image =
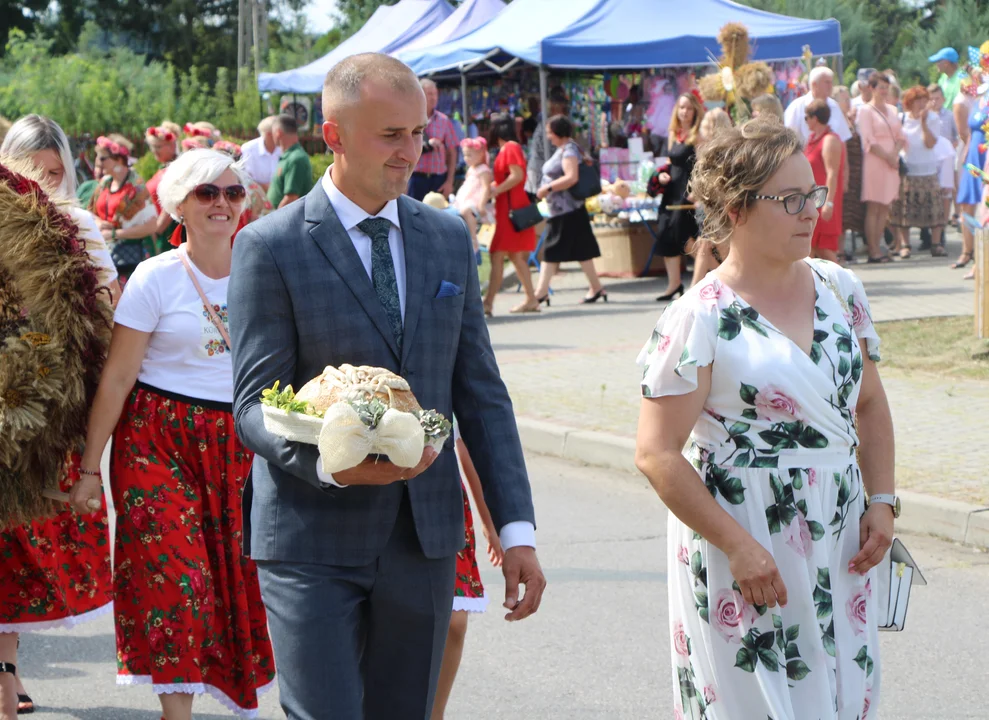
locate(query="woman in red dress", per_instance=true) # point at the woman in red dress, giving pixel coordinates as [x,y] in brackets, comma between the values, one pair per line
[54,571]
[189,616]
[826,153]
[122,205]
[508,191]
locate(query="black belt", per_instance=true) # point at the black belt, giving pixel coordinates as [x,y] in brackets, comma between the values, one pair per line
[197,402]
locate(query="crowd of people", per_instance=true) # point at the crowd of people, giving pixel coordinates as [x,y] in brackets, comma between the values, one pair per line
[213,302]
[186,597]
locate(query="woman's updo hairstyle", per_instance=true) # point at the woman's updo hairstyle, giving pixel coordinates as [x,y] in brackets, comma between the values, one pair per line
[733,166]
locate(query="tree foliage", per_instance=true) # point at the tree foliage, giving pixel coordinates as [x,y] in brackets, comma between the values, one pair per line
[120,91]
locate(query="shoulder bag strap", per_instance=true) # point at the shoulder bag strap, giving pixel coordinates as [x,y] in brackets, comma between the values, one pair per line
[214,318]
[882,115]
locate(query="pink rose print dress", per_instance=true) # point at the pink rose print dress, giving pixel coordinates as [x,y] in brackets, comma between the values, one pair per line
[775,446]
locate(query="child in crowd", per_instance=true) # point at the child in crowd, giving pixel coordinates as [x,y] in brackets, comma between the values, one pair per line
[468,593]
[473,199]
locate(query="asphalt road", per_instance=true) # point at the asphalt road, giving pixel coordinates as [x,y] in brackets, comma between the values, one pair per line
[599,647]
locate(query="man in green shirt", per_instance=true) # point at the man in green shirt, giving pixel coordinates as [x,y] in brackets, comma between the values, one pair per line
[950,81]
[293,176]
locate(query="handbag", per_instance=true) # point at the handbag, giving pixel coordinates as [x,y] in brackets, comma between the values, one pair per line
[127,254]
[214,318]
[588,181]
[898,573]
[525,217]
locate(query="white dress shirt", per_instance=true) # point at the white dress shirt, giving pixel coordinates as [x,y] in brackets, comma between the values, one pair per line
[794,118]
[259,163]
[520,532]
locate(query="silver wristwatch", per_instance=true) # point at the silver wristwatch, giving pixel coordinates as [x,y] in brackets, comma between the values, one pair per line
[892,500]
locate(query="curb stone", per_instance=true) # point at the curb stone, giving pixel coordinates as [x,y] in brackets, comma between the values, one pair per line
[952,520]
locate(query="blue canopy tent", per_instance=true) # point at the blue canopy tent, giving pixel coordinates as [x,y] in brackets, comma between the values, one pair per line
[620,34]
[600,35]
[388,29]
[468,17]
[678,33]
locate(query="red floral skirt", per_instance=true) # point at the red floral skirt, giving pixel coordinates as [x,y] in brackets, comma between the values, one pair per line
[189,616]
[468,592]
[55,573]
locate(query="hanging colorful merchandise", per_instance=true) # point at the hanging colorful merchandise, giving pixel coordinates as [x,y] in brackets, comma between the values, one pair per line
[737,80]
[54,334]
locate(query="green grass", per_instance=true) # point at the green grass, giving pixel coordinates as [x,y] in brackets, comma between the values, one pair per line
[947,347]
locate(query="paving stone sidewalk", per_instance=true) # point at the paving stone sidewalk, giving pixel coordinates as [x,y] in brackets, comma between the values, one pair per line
[575,365]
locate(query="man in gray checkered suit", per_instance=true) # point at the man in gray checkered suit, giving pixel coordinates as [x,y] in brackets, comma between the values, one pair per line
[357,569]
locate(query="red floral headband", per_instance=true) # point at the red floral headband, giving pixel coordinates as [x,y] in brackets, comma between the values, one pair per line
[192,143]
[477,143]
[193,131]
[113,147]
[225,146]
[160,133]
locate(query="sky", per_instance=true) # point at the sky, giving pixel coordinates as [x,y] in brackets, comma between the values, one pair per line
[318,15]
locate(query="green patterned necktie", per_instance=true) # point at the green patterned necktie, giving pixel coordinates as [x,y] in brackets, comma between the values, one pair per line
[383,272]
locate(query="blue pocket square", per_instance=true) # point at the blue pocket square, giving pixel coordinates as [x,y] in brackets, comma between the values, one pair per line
[448,289]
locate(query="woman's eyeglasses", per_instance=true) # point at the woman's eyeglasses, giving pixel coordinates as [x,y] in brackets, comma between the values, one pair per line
[208,193]
[794,202]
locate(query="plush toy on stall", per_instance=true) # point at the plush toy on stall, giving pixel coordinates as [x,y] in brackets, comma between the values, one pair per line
[737,80]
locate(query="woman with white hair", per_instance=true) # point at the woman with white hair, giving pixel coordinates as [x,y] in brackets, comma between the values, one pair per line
[189,618]
[55,572]
[42,142]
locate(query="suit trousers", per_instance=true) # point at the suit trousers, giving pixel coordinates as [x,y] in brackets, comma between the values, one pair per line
[361,643]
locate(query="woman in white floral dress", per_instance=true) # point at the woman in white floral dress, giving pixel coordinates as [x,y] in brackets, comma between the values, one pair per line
[768,365]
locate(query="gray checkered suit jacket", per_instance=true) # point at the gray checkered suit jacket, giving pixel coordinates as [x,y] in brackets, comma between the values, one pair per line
[299,299]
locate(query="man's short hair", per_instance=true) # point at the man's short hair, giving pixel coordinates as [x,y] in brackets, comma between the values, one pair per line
[287,124]
[426,83]
[266,125]
[342,85]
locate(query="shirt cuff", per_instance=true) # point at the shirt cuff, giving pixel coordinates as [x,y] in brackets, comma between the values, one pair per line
[520,532]
[326,479]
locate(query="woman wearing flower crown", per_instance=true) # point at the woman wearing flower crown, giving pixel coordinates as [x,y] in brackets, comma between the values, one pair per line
[122,205]
[163,142]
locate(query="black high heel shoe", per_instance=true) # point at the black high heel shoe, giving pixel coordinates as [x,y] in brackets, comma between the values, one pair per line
[671,295]
[599,295]
[544,300]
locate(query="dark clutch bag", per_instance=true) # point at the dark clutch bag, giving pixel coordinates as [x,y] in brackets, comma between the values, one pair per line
[525,217]
[903,167]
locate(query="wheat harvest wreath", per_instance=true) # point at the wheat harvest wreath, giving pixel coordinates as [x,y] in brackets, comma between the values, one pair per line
[54,333]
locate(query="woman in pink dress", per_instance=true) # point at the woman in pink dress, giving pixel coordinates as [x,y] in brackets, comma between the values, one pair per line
[882,139]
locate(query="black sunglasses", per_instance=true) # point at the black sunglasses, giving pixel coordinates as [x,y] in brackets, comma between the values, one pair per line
[207,193]
[794,202]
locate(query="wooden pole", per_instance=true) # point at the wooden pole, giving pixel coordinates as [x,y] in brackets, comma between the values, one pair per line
[544,104]
[257,45]
[240,44]
[463,93]
[982,284]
